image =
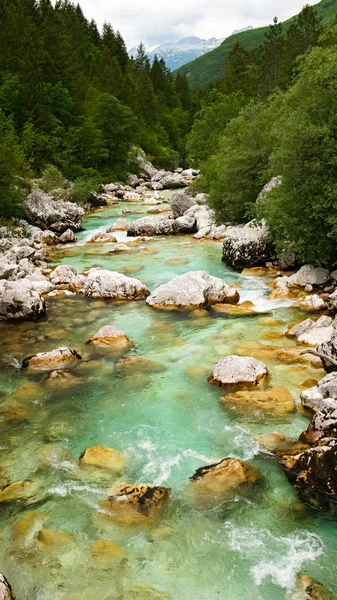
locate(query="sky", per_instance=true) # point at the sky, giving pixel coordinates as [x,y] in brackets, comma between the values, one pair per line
[154,22]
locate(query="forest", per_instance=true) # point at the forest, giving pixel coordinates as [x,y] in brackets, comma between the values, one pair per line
[74,105]
[70,97]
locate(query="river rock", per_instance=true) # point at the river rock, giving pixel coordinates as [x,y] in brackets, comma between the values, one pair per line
[119,225]
[185,224]
[20,300]
[131,504]
[143,226]
[309,275]
[101,283]
[329,350]
[238,370]
[129,365]
[166,227]
[321,395]
[323,424]
[60,358]
[6,592]
[307,588]
[311,332]
[331,302]
[313,303]
[20,491]
[314,476]
[63,275]
[102,458]
[57,215]
[50,539]
[119,247]
[146,168]
[109,336]
[213,483]
[280,444]
[277,401]
[196,289]
[107,552]
[67,237]
[246,246]
[180,203]
[102,238]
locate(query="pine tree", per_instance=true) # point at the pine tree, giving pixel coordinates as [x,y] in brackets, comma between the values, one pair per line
[272,54]
[240,72]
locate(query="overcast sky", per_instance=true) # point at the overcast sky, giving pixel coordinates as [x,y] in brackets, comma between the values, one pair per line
[156,21]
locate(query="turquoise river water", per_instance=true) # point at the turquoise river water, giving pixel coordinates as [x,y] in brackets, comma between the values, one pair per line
[167,424]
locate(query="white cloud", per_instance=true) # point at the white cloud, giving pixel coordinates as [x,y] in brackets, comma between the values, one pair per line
[155,22]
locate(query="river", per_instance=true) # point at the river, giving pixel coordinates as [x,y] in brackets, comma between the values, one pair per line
[167,424]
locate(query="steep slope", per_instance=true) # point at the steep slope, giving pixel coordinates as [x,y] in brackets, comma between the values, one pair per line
[207,68]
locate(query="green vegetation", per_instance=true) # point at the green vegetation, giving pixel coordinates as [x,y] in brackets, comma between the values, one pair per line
[206,69]
[286,126]
[72,100]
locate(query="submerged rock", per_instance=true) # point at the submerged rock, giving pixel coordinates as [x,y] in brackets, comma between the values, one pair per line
[136,503]
[246,246]
[109,336]
[277,401]
[106,552]
[101,283]
[213,483]
[103,458]
[196,289]
[60,358]
[25,491]
[129,365]
[120,247]
[50,539]
[314,476]
[307,588]
[6,592]
[19,300]
[238,370]
[280,444]
[57,215]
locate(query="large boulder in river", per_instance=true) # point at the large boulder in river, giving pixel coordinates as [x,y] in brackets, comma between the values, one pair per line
[143,226]
[19,300]
[196,289]
[246,246]
[238,370]
[60,358]
[101,283]
[180,203]
[323,424]
[110,336]
[119,225]
[331,302]
[132,504]
[57,215]
[314,476]
[309,276]
[321,395]
[313,332]
[328,350]
[145,167]
[5,589]
[214,483]
[67,237]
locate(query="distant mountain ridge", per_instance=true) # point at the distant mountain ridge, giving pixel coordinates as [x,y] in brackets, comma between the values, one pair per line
[205,69]
[177,54]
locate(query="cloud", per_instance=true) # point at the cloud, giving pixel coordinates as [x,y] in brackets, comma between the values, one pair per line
[161,21]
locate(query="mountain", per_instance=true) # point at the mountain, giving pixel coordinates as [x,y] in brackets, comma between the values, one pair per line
[248,28]
[206,69]
[179,53]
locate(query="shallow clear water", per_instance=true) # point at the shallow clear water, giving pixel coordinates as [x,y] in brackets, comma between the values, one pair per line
[167,424]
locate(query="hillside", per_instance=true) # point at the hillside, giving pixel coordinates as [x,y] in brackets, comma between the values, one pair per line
[205,69]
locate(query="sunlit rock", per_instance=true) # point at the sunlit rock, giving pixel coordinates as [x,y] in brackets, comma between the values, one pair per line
[309,275]
[312,303]
[19,300]
[311,332]
[102,238]
[196,289]
[60,358]
[119,225]
[110,336]
[136,503]
[213,483]
[321,395]
[6,592]
[102,458]
[276,401]
[307,588]
[245,309]
[238,370]
[57,215]
[101,283]
[67,237]
[120,247]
